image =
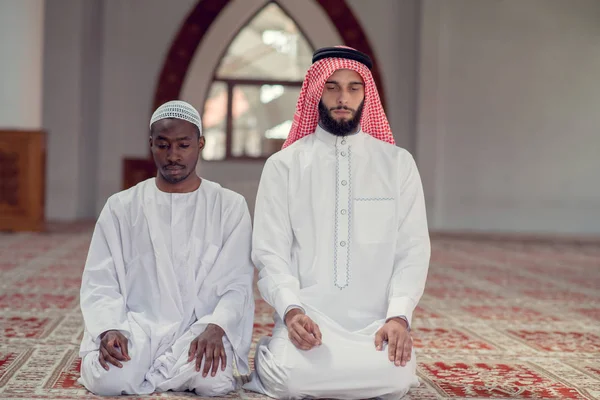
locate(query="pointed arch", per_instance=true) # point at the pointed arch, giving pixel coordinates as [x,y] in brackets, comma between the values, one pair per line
[238,14]
[271,48]
[202,17]
[254,87]
[200,21]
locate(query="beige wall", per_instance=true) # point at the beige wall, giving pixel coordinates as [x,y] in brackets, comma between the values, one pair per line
[508,115]
[21,53]
[392,30]
[132,42]
[392,27]
[496,99]
[71,113]
[243,176]
[137,36]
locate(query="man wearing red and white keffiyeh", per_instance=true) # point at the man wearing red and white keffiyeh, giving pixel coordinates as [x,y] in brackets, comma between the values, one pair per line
[341,244]
[308,111]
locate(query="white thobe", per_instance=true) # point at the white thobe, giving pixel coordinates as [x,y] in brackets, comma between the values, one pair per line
[160,268]
[340,229]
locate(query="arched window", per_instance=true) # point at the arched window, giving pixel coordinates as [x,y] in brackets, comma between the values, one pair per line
[251,102]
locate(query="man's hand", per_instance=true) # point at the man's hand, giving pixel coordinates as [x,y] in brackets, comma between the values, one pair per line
[395,332]
[302,330]
[113,348]
[209,345]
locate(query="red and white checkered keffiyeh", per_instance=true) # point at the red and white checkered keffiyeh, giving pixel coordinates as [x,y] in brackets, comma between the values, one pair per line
[306,117]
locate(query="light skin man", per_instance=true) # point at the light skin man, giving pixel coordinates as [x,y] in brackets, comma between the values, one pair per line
[341,244]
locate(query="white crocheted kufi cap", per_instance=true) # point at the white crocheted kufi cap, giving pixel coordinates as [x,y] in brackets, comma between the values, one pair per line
[177,109]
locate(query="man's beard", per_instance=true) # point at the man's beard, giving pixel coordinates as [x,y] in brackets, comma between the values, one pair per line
[343,127]
[174,179]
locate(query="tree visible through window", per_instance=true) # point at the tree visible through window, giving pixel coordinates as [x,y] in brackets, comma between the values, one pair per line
[251,102]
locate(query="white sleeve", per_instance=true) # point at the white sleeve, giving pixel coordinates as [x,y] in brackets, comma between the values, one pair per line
[272,240]
[413,250]
[101,296]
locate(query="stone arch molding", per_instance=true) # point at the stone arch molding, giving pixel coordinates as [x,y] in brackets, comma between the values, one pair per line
[229,23]
[190,63]
[212,24]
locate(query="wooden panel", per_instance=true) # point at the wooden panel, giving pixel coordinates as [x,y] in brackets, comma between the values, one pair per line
[22,180]
[136,170]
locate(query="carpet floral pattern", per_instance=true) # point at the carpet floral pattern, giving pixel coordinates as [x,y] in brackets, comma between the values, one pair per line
[500,319]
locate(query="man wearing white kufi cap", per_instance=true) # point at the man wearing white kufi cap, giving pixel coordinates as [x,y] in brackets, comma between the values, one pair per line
[166,293]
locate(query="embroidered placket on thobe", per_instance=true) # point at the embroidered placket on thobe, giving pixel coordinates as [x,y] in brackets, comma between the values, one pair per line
[343,213]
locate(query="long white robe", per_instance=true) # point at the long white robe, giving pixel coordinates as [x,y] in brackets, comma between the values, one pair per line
[161,267]
[340,229]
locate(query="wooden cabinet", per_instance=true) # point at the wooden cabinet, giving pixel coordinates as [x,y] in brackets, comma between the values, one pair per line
[22,180]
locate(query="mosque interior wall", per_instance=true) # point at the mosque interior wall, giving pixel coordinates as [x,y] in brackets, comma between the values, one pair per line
[496,100]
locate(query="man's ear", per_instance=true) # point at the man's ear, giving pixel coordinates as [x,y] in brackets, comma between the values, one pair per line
[150,140]
[201,142]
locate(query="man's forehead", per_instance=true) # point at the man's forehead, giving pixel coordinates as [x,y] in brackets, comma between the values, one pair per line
[346,75]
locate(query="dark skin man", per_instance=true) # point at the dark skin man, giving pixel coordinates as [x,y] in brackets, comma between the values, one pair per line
[175,145]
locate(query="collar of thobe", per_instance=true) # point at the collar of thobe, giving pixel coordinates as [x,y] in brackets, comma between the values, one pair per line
[334,140]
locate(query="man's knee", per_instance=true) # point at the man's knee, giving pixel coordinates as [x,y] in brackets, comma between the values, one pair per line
[404,378]
[278,380]
[289,389]
[401,386]
[212,386]
[281,388]
[115,381]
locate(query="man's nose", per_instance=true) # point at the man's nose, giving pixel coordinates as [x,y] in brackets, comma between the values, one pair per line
[173,155]
[343,98]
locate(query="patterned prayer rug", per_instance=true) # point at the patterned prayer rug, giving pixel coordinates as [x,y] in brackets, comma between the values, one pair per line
[500,319]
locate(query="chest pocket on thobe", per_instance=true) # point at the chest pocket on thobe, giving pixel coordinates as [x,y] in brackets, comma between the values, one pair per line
[374,219]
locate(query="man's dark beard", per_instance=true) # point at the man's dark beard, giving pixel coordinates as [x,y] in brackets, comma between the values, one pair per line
[173,180]
[339,128]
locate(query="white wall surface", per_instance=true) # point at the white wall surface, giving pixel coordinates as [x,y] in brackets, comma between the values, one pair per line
[135,38]
[392,29]
[243,176]
[21,57]
[498,98]
[508,115]
[72,93]
[63,105]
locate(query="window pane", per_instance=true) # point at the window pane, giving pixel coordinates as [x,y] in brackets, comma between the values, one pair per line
[262,118]
[269,47]
[214,122]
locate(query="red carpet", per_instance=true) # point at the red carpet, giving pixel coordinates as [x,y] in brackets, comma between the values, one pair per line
[499,319]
